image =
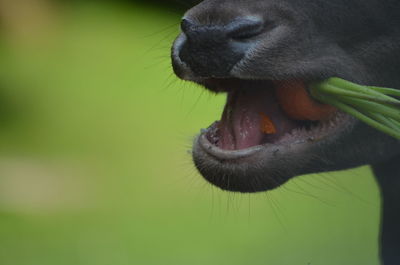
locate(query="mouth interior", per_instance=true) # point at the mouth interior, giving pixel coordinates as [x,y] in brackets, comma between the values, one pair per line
[249,104]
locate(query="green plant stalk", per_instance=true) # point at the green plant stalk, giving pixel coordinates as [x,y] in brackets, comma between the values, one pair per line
[384,120]
[397,123]
[357,114]
[386,90]
[330,89]
[338,82]
[371,107]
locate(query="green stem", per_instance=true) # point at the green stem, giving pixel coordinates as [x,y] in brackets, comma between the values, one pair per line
[360,116]
[386,90]
[385,120]
[330,89]
[372,107]
[344,84]
[397,123]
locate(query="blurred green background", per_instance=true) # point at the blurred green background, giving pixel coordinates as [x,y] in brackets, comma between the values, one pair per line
[94,164]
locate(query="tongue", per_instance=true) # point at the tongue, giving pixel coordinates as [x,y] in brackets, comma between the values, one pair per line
[240,125]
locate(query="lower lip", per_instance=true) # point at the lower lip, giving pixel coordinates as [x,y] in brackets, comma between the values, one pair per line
[221,154]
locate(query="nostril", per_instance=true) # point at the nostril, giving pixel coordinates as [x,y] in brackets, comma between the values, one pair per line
[186,25]
[212,49]
[245,28]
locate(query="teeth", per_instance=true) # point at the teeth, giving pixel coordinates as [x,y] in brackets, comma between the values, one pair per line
[314,132]
[299,141]
[311,138]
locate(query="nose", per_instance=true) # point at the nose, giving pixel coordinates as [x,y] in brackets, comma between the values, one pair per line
[212,50]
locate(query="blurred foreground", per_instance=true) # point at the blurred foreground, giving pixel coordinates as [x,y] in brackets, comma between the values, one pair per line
[94,133]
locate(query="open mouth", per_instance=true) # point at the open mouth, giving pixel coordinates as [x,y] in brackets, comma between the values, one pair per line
[268,133]
[262,113]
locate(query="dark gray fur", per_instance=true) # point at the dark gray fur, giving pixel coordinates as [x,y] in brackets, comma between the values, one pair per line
[357,40]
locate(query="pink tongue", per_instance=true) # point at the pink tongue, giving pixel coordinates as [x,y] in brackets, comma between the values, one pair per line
[240,126]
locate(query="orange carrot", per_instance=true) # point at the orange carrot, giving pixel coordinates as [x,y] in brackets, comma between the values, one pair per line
[297,103]
[267,126]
